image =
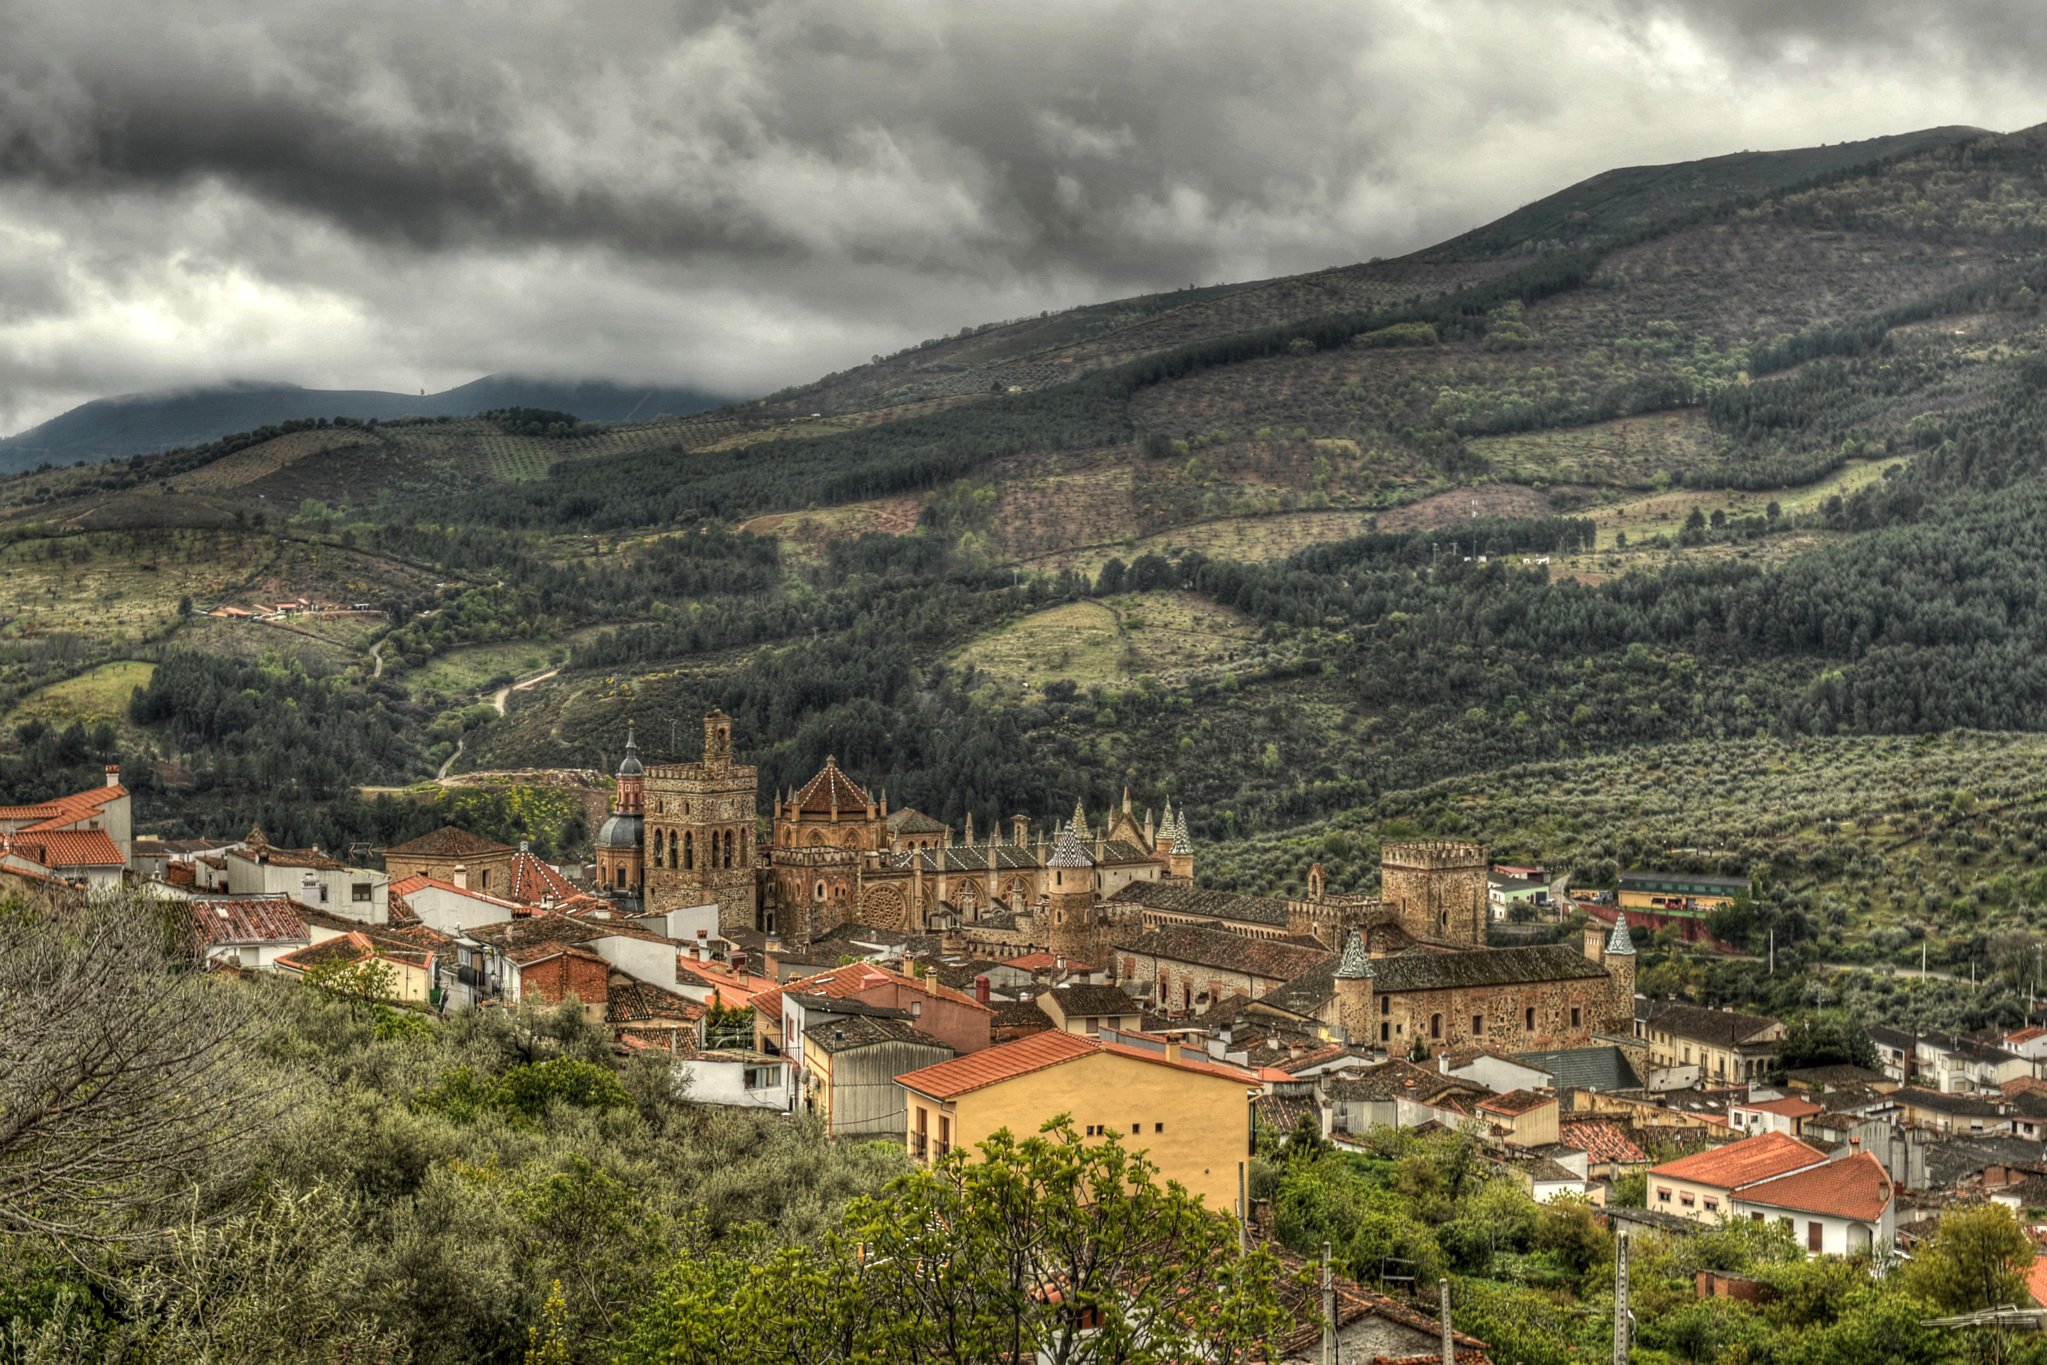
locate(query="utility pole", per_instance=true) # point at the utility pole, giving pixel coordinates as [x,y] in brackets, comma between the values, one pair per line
[1328,1311]
[1243,1213]
[1443,1308]
[1620,1299]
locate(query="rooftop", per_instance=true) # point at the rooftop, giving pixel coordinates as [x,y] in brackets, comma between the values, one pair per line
[978,1070]
[1180,899]
[1720,1028]
[866,1030]
[831,790]
[270,919]
[1784,1108]
[1742,1163]
[449,841]
[1585,1068]
[1854,1187]
[1422,970]
[1516,1102]
[1085,1001]
[1197,946]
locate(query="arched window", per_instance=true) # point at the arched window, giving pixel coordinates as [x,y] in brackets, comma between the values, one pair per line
[820,891]
[1435,1026]
[729,860]
[657,851]
[689,850]
[621,876]
[671,849]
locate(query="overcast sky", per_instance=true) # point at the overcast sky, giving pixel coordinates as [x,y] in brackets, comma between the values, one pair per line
[404,195]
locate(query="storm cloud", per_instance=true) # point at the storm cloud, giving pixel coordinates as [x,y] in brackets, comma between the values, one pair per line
[741,195]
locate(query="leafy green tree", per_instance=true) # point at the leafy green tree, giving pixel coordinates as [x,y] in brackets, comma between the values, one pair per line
[1051,1248]
[1830,1038]
[1978,1259]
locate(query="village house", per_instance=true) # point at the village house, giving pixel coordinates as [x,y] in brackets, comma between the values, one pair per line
[1724,1045]
[1786,1116]
[1521,1118]
[1090,1009]
[1835,1206]
[250,933]
[411,968]
[256,868]
[1678,892]
[1950,1063]
[852,1053]
[454,855]
[1190,1115]
[86,837]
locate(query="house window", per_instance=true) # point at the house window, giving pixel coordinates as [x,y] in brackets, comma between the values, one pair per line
[1435,1026]
[1158,1127]
[1477,1024]
[1687,1198]
[1385,1033]
[1712,1204]
[323,893]
[1136,1128]
[359,891]
[1529,1021]
[1385,1004]
[1574,1016]
[1755,1218]
[1814,1236]
[762,1078]
[1662,1195]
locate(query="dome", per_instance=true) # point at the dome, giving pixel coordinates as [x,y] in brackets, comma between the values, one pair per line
[619,832]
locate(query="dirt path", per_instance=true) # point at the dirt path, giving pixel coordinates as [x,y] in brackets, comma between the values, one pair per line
[377,658]
[443,773]
[503,694]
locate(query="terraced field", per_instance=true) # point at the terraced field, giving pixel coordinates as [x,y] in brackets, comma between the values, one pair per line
[99,694]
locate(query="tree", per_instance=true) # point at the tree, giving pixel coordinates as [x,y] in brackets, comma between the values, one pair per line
[1826,1039]
[1052,1248]
[365,983]
[124,1075]
[1978,1259]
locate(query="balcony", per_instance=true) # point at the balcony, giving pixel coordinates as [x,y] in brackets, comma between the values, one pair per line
[917,1145]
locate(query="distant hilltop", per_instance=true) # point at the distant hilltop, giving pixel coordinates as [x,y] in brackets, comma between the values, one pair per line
[143,423]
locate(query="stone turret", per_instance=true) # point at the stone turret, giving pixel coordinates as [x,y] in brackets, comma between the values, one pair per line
[1354,990]
[1072,889]
[1180,857]
[1437,889]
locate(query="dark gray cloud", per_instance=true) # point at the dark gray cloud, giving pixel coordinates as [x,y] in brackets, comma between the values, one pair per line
[743,194]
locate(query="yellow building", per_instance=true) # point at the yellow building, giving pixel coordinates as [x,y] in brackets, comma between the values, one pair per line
[1191,1116]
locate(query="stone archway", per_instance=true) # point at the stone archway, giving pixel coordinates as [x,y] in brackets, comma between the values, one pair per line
[882,907]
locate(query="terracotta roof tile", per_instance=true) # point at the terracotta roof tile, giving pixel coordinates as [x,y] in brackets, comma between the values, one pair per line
[1201,947]
[1785,1108]
[217,923]
[66,847]
[1515,1102]
[829,789]
[533,881]
[991,1066]
[449,841]
[1742,1163]
[1601,1140]
[1855,1187]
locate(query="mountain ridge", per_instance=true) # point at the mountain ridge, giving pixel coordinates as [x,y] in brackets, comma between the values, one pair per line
[147,422]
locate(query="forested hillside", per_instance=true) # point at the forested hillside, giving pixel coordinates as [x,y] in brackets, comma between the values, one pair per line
[1753,455]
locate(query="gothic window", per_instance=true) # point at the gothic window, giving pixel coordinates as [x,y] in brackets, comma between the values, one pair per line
[689,850]
[729,859]
[816,839]
[657,851]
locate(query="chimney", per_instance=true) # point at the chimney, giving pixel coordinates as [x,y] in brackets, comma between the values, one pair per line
[461,877]
[113,774]
[1059,965]
[1172,1049]
[981,988]
[931,979]
[771,957]
[739,962]
[309,889]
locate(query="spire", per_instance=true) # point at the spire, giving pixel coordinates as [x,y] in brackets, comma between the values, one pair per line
[1183,842]
[1069,852]
[1126,800]
[1620,942]
[970,829]
[1079,823]
[1357,962]
[629,766]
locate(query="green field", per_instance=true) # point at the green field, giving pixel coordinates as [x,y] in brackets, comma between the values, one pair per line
[1115,639]
[463,672]
[93,696]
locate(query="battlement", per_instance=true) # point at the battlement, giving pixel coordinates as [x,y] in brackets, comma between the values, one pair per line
[818,855]
[1434,854]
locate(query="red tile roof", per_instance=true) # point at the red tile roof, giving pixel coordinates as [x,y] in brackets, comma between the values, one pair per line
[66,847]
[1515,1102]
[1045,962]
[2024,1035]
[1737,1164]
[832,788]
[844,983]
[1855,1187]
[1600,1140]
[977,1070]
[533,881]
[62,811]
[449,841]
[419,881]
[2036,1280]
[265,920]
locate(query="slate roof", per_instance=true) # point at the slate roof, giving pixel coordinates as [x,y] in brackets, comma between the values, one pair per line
[449,841]
[1306,994]
[1827,1077]
[1717,1028]
[508,935]
[866,1030]
[1400,1080]
[1068,852]
[1203,947]
[909,820]
[969,858]
[1960,1157]
[1516,1102]
[1431,971]
[832,789]
[1019,1017]
[1585,1068]
[1942,1102]
[1085,1001]
[1180,899]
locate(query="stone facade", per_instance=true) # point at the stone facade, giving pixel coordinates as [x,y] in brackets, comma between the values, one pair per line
[700,828]
[1436,890]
